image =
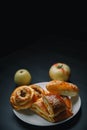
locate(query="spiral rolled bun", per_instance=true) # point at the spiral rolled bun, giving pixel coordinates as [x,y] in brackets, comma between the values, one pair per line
[39,92]
[22,97]
[62,88]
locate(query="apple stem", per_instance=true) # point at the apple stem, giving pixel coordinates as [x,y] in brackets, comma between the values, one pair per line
[59,66]
[21,71]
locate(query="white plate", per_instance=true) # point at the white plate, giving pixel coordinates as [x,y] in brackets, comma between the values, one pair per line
[32,118]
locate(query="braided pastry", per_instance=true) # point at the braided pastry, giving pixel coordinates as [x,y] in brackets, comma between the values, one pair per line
[22,97]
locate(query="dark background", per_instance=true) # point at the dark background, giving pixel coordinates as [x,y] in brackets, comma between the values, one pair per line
[73,37]
[37,50]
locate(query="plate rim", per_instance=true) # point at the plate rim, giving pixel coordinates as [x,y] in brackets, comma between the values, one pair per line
[48,123]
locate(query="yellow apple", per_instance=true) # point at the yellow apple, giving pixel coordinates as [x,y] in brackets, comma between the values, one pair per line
[60,71]
[22,77]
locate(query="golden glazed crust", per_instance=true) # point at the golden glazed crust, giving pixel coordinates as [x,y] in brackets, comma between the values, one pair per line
[54,104]
[41,108]
[68,103]
[62,88]
[22,97]
[39,92]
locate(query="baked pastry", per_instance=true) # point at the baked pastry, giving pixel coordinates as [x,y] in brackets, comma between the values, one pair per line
[39,108]
[62,88]
[68,102]
[52,108]
[54,104]
[22,97]
[62,116]
[49,105]
[39,92]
